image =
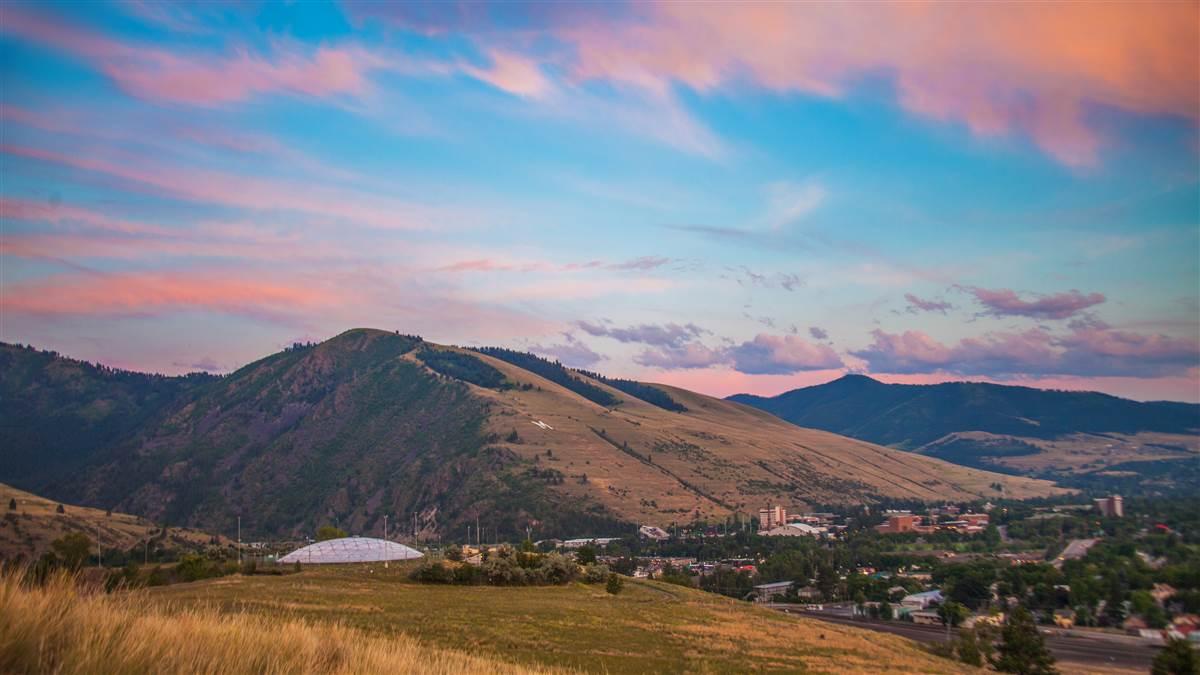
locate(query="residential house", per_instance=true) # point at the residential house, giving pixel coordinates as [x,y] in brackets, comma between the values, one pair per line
[925,617]
[925,600]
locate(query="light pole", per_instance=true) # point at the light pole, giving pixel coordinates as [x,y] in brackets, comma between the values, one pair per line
[239,540]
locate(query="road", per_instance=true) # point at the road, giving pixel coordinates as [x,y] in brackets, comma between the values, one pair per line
[1077,548]
[1116,653]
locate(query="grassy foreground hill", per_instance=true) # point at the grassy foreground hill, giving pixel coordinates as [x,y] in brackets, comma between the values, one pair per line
[649,627]
[372,423]
[1013,429]
[62,628]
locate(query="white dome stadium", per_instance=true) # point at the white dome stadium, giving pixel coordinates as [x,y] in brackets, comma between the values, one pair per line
[351,550]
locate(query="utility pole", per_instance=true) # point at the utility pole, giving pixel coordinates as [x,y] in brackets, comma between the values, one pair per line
[385,526]
[477,539]
[239,540]
[99,548]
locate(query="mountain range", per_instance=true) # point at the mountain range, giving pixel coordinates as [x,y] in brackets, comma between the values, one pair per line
[998,427]
[373,423]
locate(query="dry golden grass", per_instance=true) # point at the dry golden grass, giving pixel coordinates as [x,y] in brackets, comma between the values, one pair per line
[650,627]
[717,458]
[29,529]
[1083,453]
[59,628]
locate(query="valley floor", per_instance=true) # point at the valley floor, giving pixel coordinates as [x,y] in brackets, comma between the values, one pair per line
[649,627]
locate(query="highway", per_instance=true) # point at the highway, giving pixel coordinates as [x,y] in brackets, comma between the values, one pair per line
[1095,651]
[1077,548]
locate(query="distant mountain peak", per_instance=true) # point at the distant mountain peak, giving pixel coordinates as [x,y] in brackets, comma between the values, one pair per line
[856,378]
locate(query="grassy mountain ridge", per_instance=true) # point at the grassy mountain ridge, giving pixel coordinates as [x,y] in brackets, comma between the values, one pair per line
[55,411]
[1015,429]
[28,530]
[372,423]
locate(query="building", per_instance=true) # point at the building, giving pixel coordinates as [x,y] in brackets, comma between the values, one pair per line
[976,519]
[1162,592]
[765,592]
[794,530]
[925,618]
[772,517]
[918,601]
[902,521]
[587,541]
[809,593]
[652,532]
[1110,507]
[351,550]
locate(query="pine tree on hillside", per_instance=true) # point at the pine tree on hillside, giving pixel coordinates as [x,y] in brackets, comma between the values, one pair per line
[1022,649]
[12,504]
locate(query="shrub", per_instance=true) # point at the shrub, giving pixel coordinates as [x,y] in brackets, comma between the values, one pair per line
[615,583]
[1178,658]
[586,555]
[194,568]
[73,549]
[502,569]
[432,572]
[468,575]
[156,577]
[595,573]
[558,569]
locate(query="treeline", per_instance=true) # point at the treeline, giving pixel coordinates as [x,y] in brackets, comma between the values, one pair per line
[553,371]
[649,394]
[507,566]
[464,367]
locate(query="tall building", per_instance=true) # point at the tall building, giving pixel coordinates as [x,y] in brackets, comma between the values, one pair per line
[1110,507]
[898,522]
[772,517]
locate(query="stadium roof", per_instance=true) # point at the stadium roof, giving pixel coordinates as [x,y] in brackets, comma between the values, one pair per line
[351,550]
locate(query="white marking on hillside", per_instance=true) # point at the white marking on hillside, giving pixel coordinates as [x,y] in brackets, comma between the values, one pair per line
[542,425]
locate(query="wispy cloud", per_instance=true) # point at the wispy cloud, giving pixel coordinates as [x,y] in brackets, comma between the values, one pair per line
[916,304]
[1084,351]
[1006,302]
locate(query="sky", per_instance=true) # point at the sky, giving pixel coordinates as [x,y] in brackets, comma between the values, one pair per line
[725,197]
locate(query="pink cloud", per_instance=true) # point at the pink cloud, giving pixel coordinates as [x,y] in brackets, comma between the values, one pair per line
[1085,351]
[249,192]
[512,73]
[724,381]
[141,293]
[674,347]
[26,210]
[916,304]
[1006,302]
[781,355]
[1032,67]
[200,79]
[681,357]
